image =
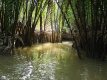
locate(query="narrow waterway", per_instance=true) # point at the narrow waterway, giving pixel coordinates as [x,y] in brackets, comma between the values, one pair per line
[57,61]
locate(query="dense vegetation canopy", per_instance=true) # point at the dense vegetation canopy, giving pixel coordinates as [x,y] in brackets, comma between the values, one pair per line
[25,22]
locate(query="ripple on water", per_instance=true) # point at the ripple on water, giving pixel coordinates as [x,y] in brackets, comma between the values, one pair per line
[45,71]
[27,71]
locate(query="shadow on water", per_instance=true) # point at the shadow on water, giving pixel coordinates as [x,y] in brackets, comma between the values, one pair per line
[50,61]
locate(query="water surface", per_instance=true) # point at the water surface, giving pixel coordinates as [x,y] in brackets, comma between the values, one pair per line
[50,62]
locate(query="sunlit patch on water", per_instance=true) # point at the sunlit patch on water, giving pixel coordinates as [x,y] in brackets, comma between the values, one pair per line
[3,78]
[27,71]
[45,71]
[67,43]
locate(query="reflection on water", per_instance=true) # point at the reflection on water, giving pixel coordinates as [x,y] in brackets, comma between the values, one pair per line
[50,62]
[27,71]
